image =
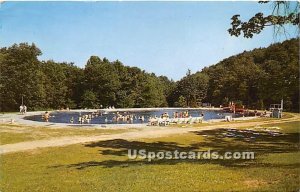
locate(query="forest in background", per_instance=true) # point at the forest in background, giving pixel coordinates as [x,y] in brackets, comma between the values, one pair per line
[254,78]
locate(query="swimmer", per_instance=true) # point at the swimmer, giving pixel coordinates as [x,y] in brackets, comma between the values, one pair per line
[46,116]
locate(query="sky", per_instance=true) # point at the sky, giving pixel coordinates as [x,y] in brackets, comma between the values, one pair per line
[166,38]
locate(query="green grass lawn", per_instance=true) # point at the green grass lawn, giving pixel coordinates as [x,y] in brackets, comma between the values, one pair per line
[286,116]
[104,166]
[13,133]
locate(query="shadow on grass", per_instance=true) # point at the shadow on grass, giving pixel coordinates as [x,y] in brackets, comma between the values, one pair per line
[220,140]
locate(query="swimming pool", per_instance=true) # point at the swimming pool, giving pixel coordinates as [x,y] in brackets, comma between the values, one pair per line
[107,117]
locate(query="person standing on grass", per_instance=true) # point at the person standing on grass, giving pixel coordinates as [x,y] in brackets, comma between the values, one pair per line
[25,109]
[21,109]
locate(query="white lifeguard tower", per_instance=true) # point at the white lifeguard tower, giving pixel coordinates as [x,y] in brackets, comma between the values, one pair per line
[276,110]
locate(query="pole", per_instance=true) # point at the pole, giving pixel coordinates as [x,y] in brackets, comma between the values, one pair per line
[22,100]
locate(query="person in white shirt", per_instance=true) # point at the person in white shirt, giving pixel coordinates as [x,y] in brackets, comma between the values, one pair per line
[25,109]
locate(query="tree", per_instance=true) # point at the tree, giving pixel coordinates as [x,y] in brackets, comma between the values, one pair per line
[257,78]
[181,102]
[284,13]
[74,83]
[21,75]
[168,87]
[193,88]
[89,100]
[102,78]
[125,96]
[152,94]
[55,85]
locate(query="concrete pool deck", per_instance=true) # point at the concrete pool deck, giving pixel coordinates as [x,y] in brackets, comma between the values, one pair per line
[19,118]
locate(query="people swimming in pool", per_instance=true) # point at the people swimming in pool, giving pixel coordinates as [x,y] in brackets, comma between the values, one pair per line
[142,118]
[46,116]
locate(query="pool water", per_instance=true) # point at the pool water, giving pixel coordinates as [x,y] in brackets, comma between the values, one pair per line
[107,118]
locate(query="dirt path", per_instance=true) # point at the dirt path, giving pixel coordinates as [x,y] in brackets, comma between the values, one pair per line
[149,132]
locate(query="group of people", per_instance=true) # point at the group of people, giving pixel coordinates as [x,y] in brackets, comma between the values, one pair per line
[165,119]
[23,109]
[129,118]
[86,118]
[184,114]
[110,107]
[83,118]
[120,117]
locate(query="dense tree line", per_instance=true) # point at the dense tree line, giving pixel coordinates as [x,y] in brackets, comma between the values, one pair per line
[255,79]
[52,85]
